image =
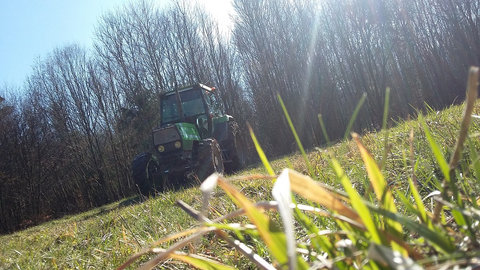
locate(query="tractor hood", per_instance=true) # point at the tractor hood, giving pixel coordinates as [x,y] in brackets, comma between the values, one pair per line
[175,137]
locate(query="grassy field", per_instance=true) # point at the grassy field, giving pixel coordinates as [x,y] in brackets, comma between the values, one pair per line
[105,237]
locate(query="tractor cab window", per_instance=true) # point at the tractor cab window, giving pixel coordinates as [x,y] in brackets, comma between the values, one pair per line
[192,105]
[214,106]
[170,111]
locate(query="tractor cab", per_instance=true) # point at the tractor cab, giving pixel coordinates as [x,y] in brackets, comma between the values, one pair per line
[195,104]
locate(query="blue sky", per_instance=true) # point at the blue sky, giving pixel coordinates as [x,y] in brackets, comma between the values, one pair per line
[31,29]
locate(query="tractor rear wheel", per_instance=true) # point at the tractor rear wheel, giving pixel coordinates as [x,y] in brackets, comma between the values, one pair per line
[144,173]
[209,159]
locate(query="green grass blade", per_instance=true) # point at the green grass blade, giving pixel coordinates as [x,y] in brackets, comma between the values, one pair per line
[428,107]
[354,115]
[376,177]
[324,130]
[272,236]
[394,260]
[439,240]
[320,242]
[406,202]
[459,218]
[260,152]
[384,126]
[474,159]
[357,203]
[297,139]
[418,200]
[435,149]
[384,195]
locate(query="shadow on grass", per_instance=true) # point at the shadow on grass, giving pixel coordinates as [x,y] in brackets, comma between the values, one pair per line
[105,209]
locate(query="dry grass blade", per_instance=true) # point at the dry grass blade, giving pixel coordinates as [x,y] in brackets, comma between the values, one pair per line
[471,97]
[252,177]
[272,205]
[309,189]
[200,262]
[248,252]
[242,248]
[169,253]
[164,255]
[192,212]
[195,231]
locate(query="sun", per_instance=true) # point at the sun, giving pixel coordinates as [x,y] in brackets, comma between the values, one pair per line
[221,10]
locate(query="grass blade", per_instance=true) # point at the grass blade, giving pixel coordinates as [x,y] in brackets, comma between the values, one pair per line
[435,149]
[474,159]
[376,177]
[309,189]
[419,202]
[260,152]
[384,126]
[319,242]
[207,188]
[394,260]
[282,194]
[273,237]
[200,262]
[471,97]
[357,203]
[384,195]
[437,239]
[385,108]
[324,130]
[354,115]
[297,139]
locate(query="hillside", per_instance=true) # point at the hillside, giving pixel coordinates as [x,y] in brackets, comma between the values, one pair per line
[105,237]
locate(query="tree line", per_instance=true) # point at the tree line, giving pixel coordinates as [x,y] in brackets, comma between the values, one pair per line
[66,143]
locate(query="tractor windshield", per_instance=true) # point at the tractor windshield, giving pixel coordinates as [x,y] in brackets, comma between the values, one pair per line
[191,102]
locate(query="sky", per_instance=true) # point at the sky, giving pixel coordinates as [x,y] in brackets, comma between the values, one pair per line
[31,29]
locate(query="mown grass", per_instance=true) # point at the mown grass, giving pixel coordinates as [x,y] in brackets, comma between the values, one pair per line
[106,237]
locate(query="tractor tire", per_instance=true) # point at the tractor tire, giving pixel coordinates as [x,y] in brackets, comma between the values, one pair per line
[238,157]
[210,159]
[236,151]
[144,169]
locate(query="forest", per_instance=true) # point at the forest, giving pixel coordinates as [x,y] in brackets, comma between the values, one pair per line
[68,136]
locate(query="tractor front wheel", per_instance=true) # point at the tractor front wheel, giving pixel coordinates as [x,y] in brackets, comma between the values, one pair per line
[209,159]
[144,173]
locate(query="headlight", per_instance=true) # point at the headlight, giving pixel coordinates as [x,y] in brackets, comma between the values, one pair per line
[178,144]
[161,148]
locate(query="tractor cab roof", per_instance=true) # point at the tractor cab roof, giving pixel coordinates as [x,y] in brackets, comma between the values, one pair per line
[189,87]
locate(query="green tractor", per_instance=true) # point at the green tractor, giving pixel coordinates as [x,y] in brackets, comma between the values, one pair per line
[195,139]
